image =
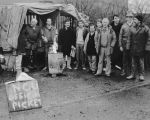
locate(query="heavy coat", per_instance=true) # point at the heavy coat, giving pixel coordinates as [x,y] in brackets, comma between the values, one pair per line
[116,29]
[87,39]
[66,38]
[124,36]
[50,34]
[32,36]
[116,58]
[140,40]
[111,37]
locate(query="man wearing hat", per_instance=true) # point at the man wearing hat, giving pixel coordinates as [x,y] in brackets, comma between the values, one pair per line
[140,41]
[124,44]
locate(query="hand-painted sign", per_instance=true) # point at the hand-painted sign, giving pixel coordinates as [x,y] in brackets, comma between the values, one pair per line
[23,95]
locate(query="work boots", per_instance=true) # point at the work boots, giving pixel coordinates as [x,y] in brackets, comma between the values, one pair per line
[68,63]
[68,60]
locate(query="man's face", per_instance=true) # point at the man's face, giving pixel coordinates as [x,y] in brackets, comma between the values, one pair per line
[129,18]
[67,24]
[136,21]
[105,23]
[92,28]
[86,24]
[99,24]
[49,22]
[80,24]
[116,19]
[33,23]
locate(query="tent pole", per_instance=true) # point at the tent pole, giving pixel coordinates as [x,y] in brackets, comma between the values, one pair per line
[58,19]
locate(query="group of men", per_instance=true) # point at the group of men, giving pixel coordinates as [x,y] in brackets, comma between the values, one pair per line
[98,48]
[121,46]
[134,40]
[109,45]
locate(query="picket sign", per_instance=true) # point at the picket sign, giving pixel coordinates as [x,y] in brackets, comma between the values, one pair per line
[23,94]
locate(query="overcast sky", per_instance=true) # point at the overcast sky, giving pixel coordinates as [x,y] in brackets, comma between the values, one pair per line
[144,5]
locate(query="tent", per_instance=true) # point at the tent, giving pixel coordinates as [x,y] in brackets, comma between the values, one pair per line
[13,16]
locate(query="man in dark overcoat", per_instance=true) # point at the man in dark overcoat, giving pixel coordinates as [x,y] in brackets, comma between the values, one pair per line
[117,54]
[140,41]
[66,38]
[32,35]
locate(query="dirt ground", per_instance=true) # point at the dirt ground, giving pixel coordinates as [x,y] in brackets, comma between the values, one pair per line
[79,95]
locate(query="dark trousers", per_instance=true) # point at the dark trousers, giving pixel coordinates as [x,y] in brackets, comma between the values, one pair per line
[80,55]
[41,59]
[127,60]
[47,46]
[1,69]
[1,52]
[92,62]
[30,58]
[116,58]
[147,60]
[137,65]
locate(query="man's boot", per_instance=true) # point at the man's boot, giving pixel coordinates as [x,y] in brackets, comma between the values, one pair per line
[141,78]
[64,63]
[68,63]
[130,77]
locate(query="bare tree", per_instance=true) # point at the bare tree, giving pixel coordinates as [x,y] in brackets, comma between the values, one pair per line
[84,6]
[141,7]
[100,10]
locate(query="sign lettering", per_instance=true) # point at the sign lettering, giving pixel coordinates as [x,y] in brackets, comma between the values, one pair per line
[23,95]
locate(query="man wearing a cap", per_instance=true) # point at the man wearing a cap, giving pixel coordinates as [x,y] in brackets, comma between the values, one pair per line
[124,44]
[140,41]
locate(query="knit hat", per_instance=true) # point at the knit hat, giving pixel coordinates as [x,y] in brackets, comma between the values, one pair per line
[139,17]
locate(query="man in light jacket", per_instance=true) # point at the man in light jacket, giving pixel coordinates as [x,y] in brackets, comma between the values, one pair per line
[106,42]
[81,33]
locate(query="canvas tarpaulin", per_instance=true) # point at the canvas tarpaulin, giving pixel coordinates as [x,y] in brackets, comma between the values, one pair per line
[13,16]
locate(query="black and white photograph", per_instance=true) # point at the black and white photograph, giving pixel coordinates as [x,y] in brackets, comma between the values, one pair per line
[74,60]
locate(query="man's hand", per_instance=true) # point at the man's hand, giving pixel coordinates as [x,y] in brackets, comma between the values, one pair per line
[45,39]
[72,47]
[84,50]
[121,49]
[111,50]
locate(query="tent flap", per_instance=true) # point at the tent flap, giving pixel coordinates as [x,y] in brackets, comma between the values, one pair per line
[45,8]
[12,21]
